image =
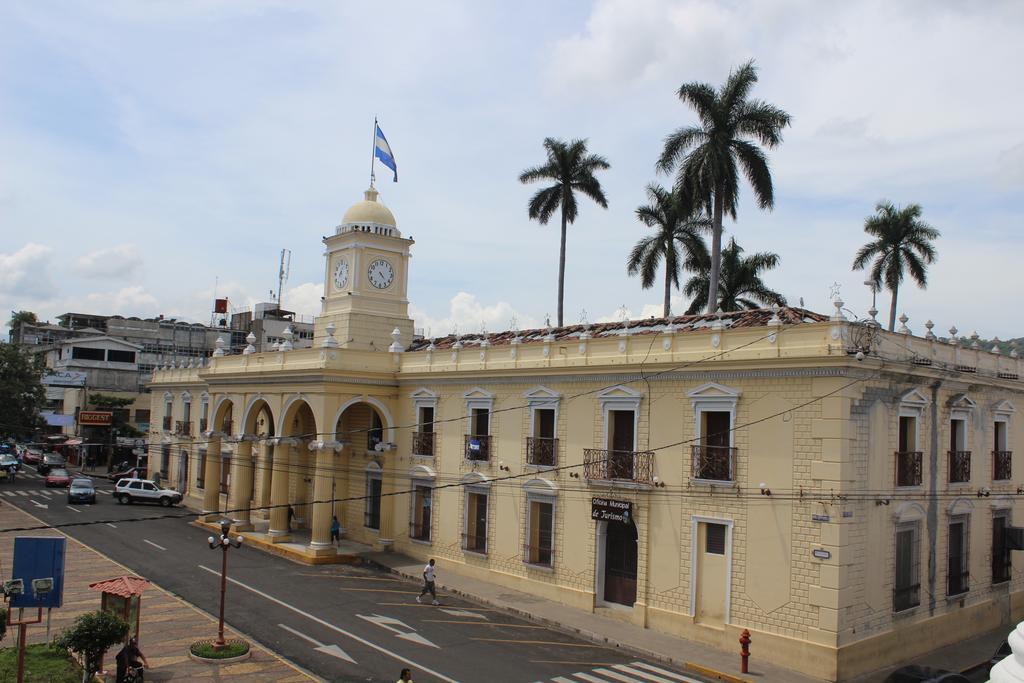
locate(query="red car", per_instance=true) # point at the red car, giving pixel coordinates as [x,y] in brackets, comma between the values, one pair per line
[59,478]
[32,457]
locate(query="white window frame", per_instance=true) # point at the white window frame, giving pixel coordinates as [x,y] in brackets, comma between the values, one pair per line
[620,398]
[900,526]
[478,484]
[965,519]
[373,471]
[540,491]
[425,398]
[714,398]
[424,476]
[478,398]
[695,522]
[543,398]
[912,404]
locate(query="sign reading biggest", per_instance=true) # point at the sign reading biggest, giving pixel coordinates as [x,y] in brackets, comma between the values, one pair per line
[96,418]
[608,510]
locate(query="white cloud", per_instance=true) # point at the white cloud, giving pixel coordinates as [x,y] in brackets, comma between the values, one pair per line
[26,273]
[133,300]
[120,261]
[304,299]
[468,314]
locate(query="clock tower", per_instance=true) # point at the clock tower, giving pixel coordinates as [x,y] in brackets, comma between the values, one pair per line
[366,279]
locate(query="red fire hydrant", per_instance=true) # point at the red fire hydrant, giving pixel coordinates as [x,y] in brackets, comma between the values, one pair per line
[745,648]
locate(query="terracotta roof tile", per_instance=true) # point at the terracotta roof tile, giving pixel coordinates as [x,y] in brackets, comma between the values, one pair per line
[124,586]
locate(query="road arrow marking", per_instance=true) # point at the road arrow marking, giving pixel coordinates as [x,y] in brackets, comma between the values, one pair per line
[463,613]
[281,603]
[39,505]
[73,509]
[390,622]
[332,650]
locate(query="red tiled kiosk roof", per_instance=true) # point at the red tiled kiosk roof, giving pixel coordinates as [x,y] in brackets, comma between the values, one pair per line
[680,323]
[123,586]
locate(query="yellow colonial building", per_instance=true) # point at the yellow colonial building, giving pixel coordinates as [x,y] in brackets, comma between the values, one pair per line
[842,492]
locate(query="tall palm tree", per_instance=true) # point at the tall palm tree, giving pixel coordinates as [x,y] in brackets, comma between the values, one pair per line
[572,168]
[903,242]
[709,157]
[740,285]
[680,224]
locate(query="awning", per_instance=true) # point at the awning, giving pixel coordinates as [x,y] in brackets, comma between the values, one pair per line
[55,420]
[124,586]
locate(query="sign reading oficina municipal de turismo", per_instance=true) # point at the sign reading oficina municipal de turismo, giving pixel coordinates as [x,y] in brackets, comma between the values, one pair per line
[608,510]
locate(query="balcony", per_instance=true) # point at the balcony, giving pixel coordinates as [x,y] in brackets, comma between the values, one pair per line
[908,468]
[478,447]
[203,425]
[626,466]
[714,463]
[423,443]
[182,428]
[541,451]
[1001,465]
[959,467]
[167,423]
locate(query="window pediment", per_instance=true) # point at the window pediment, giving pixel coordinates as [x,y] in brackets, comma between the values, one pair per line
[478,393]
[908,512]
[422,472]
[962,402]
[541,395]
[619,392]
[712,390]
[540,486]
[474,479]
[914,401]
[1004,407]
[373,467]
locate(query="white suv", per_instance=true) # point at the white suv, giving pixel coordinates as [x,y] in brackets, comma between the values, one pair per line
[144,491]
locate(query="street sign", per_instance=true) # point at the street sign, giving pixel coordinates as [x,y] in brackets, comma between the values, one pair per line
[609,510]
[95,418]
[37,558]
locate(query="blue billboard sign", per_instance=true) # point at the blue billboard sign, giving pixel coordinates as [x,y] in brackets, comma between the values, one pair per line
[39,558]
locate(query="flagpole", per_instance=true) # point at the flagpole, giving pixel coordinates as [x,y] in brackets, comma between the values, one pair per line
[373,150]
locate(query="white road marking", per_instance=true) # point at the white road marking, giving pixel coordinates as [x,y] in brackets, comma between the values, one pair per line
[616,676]
[40,505]
[463,613]
[641,674]
[22,493]
[11,494]
[663,672]
[158,547]
[559,679]
[390,623]
[594,679]
[75,509]
[111,525]
[333,650]
[331,626]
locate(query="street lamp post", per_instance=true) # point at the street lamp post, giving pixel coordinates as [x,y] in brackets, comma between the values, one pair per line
[874,292]
[224,542]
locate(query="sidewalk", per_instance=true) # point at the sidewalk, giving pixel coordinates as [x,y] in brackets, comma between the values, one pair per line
[297,549]
[649,643]
[169,625]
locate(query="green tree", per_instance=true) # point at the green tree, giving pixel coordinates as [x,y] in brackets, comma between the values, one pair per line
[572,168]
[708,157]
[21,390]
[92,634]
[740,285]
[902,242]
[19,317]
[679,224]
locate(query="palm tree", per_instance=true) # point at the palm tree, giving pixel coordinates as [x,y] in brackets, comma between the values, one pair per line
[572,168]
[903,243]
[740,286]
[710,156]
[680,224]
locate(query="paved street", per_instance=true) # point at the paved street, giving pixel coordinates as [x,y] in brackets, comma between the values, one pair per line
[339,622]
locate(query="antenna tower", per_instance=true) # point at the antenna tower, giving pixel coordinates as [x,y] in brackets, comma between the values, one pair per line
[282,274]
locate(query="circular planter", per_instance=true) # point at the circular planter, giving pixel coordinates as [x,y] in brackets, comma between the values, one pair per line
[237,650]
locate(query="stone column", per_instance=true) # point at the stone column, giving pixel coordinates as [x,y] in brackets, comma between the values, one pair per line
[321,526]
[241,484]
[264,465]
[279,489]
[386,535]
[211,479]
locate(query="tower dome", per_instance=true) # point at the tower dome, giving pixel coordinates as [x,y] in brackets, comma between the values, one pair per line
[369,214]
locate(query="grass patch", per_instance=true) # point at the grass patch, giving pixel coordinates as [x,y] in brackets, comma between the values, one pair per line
[234,648]
[43,664]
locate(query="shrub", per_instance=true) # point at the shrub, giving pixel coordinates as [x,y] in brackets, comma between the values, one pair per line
[91,636]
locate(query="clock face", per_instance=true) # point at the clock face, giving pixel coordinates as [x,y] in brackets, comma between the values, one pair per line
[340,274]
[381,274]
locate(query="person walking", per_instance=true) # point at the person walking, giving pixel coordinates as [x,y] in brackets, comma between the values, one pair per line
[405,676]
[428,583]
[335,531]
[128,658]
[291,514]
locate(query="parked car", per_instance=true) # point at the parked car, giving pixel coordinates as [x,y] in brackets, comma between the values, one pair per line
[49,462]
[32,457]
[144,491]
[57,477]
[8,460]
[81,490]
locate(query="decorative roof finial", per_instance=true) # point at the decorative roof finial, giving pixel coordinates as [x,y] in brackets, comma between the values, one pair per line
[903,324]
[396,341]
[288,335]
[330,342]
[220,344]
[953,339]
[995,346]
[929,334]
[251,341]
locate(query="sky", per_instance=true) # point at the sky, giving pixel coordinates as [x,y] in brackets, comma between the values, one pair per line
[158,154]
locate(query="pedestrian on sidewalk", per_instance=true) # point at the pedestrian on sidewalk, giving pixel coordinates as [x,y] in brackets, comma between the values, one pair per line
[335,531]
[291,514]
[405,676]
[129,657]
[428,583]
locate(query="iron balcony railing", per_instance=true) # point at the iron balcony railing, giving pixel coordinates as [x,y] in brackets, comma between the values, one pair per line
[202,424]
[182,428]
[478,447]
[714,463]
[630,466]
[908,468]
[167,423]
[541,451]
[959,467]
[1002,465]
[476,543]
[539,555]
[423,443]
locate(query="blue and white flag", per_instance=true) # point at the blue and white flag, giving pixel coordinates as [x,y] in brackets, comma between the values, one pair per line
[382,150]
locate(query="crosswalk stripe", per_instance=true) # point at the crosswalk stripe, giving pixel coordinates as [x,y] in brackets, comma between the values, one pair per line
[617,676]
[23,493]
[594,679]
[663,672]
[10,494]
[559,679]
[642,674]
